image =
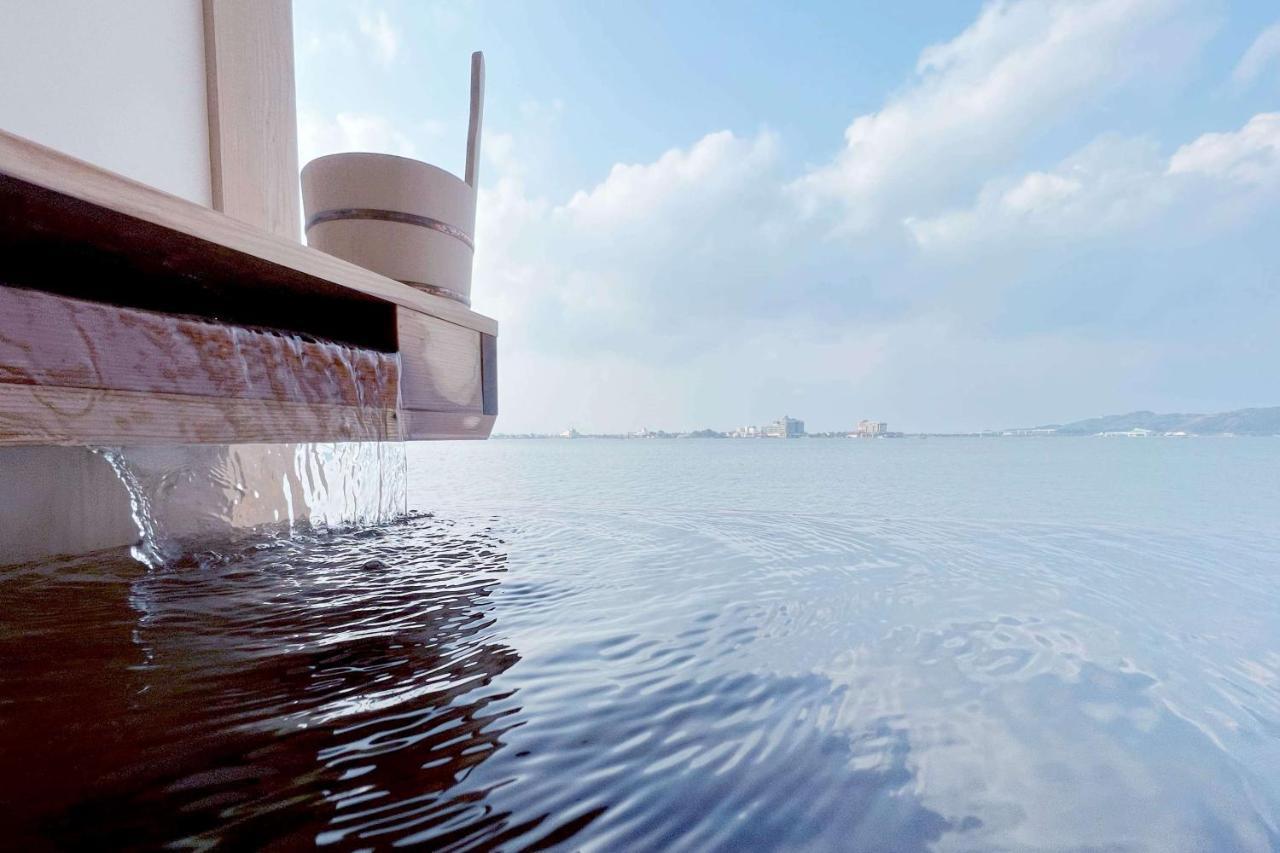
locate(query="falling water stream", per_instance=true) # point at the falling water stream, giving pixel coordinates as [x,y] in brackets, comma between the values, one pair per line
[181,495]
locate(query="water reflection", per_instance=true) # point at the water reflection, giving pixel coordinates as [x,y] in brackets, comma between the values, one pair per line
[332,687]
[655,680]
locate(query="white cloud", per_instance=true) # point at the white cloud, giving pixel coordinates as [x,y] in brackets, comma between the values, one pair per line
[682,189]
[694,228]
[1107,187]
[690,290]
[978,98]
[1115,185]
[1040,190]
[318,43]
[382,36]
[683,287]
[1261,55]
[1250,155]
[371,34]
[319,135]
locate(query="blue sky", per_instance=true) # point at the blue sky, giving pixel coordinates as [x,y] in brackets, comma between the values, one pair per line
[950,215]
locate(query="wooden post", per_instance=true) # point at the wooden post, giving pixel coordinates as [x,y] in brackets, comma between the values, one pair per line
[253,123]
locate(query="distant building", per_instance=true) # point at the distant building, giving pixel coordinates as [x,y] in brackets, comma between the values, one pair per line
[785,427]
[872,429]
[570,433]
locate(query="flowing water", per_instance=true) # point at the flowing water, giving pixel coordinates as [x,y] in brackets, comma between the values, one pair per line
[1017,644]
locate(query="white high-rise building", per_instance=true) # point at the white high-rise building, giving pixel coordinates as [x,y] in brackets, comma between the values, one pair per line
[872,429]
[785,427]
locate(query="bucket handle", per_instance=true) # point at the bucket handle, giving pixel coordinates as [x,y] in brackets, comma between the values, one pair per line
[477,116]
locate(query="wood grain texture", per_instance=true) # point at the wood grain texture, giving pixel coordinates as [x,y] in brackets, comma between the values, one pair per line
[54,341]
[34,415]
[196,238]
[75,372]
[253,128]
[439,364]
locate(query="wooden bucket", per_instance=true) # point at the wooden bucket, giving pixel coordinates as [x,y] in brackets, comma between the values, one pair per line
[405,219]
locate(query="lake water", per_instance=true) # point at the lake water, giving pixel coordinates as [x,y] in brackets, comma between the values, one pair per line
[941,644]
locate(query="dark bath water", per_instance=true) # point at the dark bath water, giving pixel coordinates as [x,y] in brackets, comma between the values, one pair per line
[1017,645]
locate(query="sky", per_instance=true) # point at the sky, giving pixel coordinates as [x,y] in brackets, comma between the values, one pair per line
[944,215]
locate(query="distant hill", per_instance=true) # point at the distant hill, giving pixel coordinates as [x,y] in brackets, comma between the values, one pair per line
[1240,422]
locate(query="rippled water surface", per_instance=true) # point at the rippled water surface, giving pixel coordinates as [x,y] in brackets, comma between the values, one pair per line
[895,645]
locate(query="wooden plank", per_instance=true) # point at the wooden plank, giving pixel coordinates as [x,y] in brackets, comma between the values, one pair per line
[443,426]
[253,128]
[439,363]
[197,238]
[62,245]
[55,341]
[33,415]
[489,373]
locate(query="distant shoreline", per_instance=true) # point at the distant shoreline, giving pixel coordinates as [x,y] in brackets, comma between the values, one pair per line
[895,437]
[1257,422]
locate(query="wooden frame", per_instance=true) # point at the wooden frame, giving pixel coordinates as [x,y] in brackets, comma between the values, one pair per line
[196,239]
[83,239]
[253,127]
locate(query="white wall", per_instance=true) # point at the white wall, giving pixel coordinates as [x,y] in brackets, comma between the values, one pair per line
[120,84]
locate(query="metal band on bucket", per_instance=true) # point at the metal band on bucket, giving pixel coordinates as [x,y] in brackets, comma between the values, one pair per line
[391,216]
[435,290]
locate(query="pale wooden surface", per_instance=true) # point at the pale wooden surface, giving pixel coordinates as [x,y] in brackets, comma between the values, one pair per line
[73,416]
[439,363]
[85,373]
[77,416]
[354,192]
[440,426]
[55,341]
[66,222]
[253,127]
[43,167]
[472,174]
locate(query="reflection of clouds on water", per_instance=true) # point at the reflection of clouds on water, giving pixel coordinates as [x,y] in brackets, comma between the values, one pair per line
[335,684]
[1102,713]
[659,680]
[1063,755]
[733,762]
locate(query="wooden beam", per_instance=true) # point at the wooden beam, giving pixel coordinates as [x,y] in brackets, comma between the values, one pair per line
[196,238]
[62,245]
[440,363]
[35,415]
[52,341]
[96,273]
[78,372]
[443,426]
[253,127]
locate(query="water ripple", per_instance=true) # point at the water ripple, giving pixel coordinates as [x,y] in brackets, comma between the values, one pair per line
[627,680]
